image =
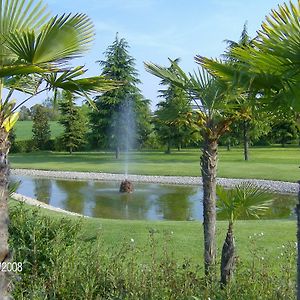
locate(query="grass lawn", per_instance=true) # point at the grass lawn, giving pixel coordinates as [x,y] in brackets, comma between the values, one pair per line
[24,130]
[186,237]
[265,163]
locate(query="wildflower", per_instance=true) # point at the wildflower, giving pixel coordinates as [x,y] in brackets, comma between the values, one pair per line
[132,240]
[261,233]
[262,258]
[172,232]
[250,236]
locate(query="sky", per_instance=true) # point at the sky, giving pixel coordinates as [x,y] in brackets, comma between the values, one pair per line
[158,29]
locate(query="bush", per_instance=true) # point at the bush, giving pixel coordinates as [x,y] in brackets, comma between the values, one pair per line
[60,264]
[28,146]
[22,146]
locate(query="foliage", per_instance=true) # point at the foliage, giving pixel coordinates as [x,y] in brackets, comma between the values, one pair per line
[244,201]
[34,51]
[284,131]
[271,66]
[40,128]
[60,263]
[74,122]
[118,65]
[170,118]
[24,113]
[258,127]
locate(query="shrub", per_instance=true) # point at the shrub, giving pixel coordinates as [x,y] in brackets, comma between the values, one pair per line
[59,264]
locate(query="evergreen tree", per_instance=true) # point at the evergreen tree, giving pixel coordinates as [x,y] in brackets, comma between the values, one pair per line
[284,131]
[40,128]
[118,65]
[171,115]
[74,122]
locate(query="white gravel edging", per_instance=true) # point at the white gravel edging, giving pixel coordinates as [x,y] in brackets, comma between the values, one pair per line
[276,186]
[34,202]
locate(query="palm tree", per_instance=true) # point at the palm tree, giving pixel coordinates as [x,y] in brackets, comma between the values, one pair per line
[34,54]
[245,200]
[271,67]
[216,111]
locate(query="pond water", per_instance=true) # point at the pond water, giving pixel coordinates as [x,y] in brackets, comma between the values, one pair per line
[147,202]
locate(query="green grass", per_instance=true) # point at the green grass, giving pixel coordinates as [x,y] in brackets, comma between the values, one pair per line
[265,163]
[186,237]
[24,130]
[133,260]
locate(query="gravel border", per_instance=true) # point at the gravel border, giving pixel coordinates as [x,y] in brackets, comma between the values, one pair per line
[276,186]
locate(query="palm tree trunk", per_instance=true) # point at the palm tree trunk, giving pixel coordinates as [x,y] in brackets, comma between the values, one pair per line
[209,172]
[246,140]
[298,244]
[4,249]
[228,257]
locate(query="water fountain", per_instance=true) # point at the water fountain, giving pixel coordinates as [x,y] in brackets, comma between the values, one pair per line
[126,186]
[126,130]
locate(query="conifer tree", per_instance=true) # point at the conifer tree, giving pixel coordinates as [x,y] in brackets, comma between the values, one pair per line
[74,122]
[40,128]
[118,65]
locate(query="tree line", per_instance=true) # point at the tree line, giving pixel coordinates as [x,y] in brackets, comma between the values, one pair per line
[171,125]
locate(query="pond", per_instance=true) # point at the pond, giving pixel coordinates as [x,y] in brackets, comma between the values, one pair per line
[148,201]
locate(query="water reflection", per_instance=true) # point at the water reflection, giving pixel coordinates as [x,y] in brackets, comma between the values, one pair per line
[74,195]
[42,189]
[148,202]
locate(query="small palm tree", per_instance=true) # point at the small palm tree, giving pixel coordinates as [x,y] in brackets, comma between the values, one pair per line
[244,201]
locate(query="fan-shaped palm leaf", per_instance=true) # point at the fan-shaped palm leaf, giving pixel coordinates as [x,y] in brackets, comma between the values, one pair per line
[245,200]
[18,15]
[60,39]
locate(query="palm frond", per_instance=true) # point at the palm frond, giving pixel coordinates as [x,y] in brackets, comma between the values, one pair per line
[60,39]
[17,14]
[24,69]
[245,200]
[175,76]
[70,81]
[28,84]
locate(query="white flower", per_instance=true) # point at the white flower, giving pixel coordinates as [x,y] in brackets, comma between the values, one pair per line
[172,232]
[261,233]
[262,258]
[132,240]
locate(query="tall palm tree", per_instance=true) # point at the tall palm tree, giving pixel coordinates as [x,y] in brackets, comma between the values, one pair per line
[245,200]
[272,68]
[215,114]
[34,54]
